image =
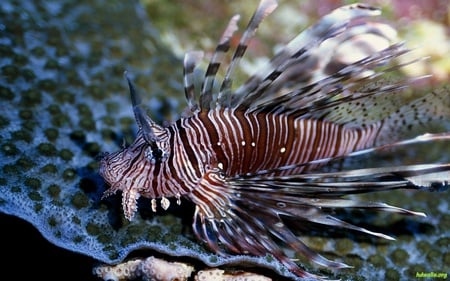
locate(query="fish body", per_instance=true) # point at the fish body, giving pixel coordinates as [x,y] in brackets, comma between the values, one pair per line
[229,143]
[251,159]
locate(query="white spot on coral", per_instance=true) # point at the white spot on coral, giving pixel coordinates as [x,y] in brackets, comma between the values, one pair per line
[253,144]
[220,165]
[243,143]
[283,150]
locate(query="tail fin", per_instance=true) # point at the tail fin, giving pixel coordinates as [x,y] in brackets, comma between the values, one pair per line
[425,114]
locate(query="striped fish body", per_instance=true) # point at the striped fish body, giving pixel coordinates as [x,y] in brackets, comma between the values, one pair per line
[230,143]
[251,158]
[236,142]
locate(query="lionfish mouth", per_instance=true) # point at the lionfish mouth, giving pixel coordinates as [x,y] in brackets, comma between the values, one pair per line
[103,169]
[106,169]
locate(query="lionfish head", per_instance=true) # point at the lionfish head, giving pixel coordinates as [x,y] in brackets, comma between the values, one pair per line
[115,168]
[130,169]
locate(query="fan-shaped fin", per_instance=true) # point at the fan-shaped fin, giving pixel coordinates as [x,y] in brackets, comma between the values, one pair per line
[250,214]
[316,99]
[324,86]
[430,177]
[301,52]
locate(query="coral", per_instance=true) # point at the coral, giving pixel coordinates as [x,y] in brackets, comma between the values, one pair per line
[124,271]
[156,269]
[151,268]
[220,275]
[160,270]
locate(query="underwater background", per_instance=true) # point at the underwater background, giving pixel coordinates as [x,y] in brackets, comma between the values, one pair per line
[64,101]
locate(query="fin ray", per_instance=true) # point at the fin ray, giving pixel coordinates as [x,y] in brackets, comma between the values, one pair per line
[299,52]
[191,59]
[264,8]
[222,48]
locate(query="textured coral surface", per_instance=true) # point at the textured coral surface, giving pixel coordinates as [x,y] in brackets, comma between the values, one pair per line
[64,101]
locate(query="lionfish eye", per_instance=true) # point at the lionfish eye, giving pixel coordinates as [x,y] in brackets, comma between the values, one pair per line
[154,153]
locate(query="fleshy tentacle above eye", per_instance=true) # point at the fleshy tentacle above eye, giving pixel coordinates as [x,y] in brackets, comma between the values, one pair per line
[143,121]
[151,132]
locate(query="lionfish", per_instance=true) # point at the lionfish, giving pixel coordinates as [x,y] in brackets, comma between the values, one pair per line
[252,159]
